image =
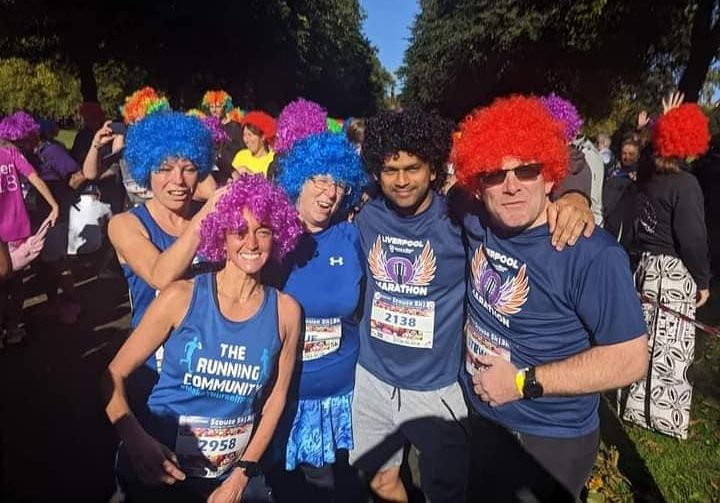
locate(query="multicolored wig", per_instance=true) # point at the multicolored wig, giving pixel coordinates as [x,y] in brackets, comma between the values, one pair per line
[299,119]
[160,136]
[236,115]
[334,125]
[217,97]
[516,126]
[564,112]
[216,129]
[196,112]
[322,154]
[422,134]
[263,123]
[682,132]
[18,126]
[142,103]
[267,202]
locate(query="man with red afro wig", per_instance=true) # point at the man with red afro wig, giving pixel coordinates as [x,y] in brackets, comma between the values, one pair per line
[545,331]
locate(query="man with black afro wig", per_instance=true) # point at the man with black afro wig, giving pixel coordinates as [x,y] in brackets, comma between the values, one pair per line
[406,387]
[426,136]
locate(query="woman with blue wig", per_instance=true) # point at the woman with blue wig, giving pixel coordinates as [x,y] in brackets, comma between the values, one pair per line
[169,153]
[323,175]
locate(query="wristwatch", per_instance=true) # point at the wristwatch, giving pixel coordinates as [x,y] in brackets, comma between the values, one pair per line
[251,468]
[531,388]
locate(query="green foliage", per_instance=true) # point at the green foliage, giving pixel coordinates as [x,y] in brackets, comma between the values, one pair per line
[464,53]
[264,52]
[44,89]
[606,483]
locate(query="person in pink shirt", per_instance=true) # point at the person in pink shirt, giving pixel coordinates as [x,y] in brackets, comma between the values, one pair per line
[15,130]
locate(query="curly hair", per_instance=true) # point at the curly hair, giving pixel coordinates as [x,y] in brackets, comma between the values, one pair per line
[141,103]
[217,97]
[18,126]
[160,136]
[299,119]
[216,129]
[262,122]
[682,132]
[424,135]
[515,126]
[266,202]
[236,115]
[565,113]
[322,154]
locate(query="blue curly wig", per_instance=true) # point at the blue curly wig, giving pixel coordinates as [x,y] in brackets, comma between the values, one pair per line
[322,154]
[160,136]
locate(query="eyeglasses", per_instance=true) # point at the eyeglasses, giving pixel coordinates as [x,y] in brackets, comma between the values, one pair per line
[524,173]
[323,184]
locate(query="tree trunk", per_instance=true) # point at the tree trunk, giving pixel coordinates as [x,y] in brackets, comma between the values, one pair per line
[704,43]
[88,84]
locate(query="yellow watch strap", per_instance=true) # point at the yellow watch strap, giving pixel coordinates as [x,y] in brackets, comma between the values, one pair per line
[520,381]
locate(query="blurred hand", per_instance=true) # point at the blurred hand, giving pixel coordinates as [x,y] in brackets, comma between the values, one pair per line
[154,463]
[495,383]
[675,99]
[230,491]
[643,119]
[701,297]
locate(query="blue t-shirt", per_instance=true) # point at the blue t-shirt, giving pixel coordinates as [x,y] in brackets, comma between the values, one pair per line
[410,333]
[531,304]
[210,389]
[324,274]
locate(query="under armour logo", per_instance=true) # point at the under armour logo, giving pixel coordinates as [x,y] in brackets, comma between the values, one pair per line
[336,261]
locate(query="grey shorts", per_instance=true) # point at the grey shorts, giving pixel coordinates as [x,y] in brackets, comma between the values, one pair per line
[385,418]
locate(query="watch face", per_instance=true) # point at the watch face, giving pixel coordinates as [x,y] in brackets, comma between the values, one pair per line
[533,390]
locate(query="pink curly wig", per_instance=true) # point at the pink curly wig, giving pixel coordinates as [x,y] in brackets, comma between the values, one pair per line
[516,126]
[18,126]
[682,132]
[298,120]
[266,202]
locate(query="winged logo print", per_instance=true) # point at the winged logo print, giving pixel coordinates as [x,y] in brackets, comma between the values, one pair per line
[423,268]
[514,290]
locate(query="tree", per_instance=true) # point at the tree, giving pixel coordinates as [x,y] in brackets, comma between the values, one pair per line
[464,53]
[264,52]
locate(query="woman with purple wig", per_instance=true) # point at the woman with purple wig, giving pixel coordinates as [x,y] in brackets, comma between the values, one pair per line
[18,131]
[230,348]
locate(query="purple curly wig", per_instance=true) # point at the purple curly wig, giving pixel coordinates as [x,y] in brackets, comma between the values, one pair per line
[216,129]
[266,202]
[565,113]
[18,126]
[299,119]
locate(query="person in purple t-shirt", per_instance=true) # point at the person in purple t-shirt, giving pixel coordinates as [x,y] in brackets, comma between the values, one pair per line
[62,175]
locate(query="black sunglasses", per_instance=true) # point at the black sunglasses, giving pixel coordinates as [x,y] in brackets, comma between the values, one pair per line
[524,173]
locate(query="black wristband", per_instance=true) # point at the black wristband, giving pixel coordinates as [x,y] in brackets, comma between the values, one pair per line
[251,468]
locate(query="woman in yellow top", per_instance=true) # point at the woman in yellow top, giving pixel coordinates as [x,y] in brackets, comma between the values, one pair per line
[258,135]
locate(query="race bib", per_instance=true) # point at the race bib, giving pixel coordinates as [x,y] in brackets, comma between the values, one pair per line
[403,322]
[480,342]
[208,447]
[322,337]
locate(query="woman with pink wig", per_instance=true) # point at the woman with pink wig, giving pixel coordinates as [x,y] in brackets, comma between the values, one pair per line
[230,346]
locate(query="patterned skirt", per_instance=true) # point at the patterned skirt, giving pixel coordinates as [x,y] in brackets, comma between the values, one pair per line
[661,401]
[320,428]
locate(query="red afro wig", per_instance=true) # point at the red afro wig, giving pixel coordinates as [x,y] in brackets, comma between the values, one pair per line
[516,126]
[682,132]
[262,122]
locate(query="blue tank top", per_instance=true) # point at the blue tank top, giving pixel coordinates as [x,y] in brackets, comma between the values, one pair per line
[142,294]
[324,274]
[410,333]
[210,389]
